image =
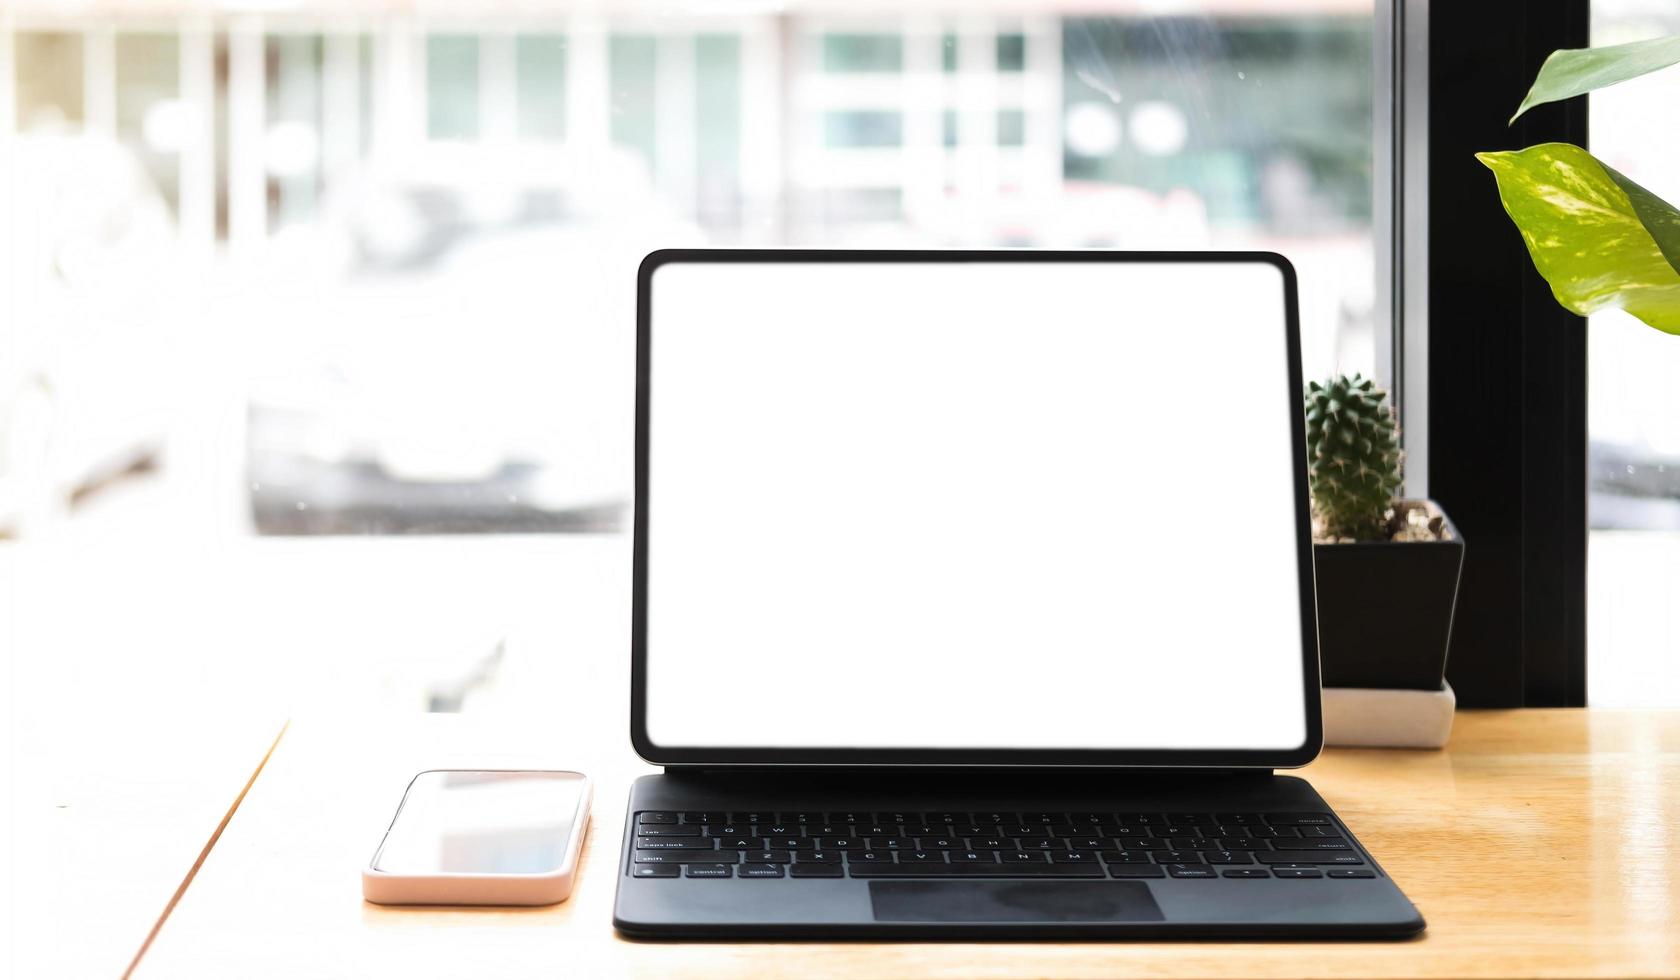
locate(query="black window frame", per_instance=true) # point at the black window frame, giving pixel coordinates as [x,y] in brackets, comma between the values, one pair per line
[1507,381]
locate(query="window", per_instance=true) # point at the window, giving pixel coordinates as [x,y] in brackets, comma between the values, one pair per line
[1011,52]
[340,278]
[1633,410]
[862,52]
[451,87]
[541,97]
[861,128]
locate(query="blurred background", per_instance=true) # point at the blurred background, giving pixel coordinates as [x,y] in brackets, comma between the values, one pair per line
[326,308]
[1633,406]
[300,268]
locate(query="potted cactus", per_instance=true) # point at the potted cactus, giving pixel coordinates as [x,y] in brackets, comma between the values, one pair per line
[1386,568]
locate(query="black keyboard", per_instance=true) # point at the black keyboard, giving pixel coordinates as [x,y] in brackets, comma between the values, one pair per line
[991,844]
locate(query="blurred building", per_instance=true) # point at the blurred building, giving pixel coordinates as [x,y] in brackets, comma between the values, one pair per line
[379,193]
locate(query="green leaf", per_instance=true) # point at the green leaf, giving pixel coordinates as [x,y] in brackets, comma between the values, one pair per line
[1577,71]
[1600,240]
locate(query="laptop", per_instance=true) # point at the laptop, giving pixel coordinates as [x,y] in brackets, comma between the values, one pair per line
[973,597]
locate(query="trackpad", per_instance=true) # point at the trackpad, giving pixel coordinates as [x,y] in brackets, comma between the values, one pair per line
[1013,901]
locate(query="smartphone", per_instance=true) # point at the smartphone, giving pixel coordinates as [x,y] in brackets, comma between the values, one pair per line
[482,837]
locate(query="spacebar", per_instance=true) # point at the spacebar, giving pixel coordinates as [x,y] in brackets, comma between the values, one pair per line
[869,869]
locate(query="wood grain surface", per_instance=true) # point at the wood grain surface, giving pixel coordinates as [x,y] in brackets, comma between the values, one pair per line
[1542,843]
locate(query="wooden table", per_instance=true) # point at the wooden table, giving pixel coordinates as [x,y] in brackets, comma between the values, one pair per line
[1540,843]
[109,789]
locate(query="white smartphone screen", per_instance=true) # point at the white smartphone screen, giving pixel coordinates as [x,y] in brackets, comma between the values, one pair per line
[469,822]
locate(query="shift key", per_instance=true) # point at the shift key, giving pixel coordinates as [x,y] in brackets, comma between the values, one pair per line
[690,856]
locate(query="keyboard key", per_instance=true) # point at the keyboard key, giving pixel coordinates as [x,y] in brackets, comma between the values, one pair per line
[759,871]
[1319,831]
[878,830]
[672,843]
[656,870]
[991,843]
[656,817]
[1191,871]
[921,857]
[978,830]
[790,843]
[1029,818]
[803,816]
[950,817]
[807,869]
[1297,873]
[1180,830]
[769,857]
[778,830]
[1351,873]
[1044,870]
[1067,830]
[1126,857]
[1021,857]
[669,830]
[1299,819]
[890,843]
[941,843]
[1238,819]
[708,870]
[1313,844]
[869,857]
[1227,857]
[996,817]
[752,816]
[1189,818]
[704,816]
[850,816]
[903,817]
[829,830]
[1092,817]
[1247,873]
[1240,844]
[973,857]
[729,830]
[1136,871]
[1037,843]
[1140,843]
[1087,843]
[1177,857]
[1072,857]
[740,843]
[841,843]
[1191,844]
[686,857]
[1306,857]
[817,857]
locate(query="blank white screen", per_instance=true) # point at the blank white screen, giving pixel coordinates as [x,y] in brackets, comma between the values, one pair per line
[971,505]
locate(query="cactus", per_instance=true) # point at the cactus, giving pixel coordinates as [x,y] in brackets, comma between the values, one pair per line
[1353,456]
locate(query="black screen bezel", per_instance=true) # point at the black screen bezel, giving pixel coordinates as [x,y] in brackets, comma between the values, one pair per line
[976,757]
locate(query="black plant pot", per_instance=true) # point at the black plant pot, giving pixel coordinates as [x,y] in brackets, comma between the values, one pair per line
[1385,610]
